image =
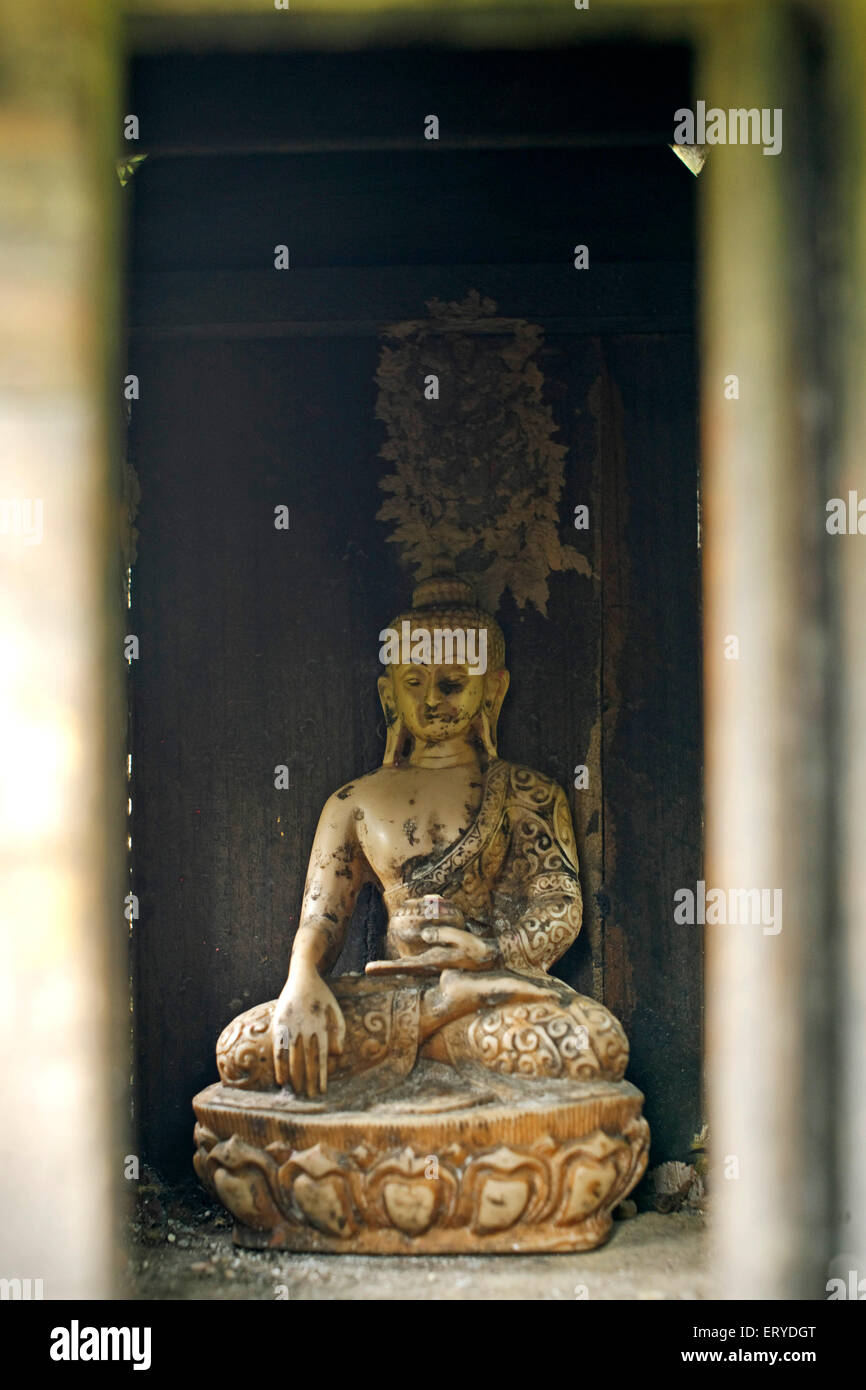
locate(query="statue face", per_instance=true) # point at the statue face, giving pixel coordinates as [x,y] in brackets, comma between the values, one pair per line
[436,702]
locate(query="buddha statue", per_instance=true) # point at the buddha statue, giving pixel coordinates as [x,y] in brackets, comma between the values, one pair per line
[455,1096]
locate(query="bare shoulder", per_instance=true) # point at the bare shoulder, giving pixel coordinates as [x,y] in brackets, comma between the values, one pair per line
[354,794]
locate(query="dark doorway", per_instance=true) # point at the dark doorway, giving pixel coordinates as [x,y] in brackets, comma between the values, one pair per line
[257,388]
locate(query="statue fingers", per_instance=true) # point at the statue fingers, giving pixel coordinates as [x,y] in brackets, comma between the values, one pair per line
[312,1055]
[512,988]
[470,949]
[444,936]
[439,957]
[322,1042]
[297,1067]
[337,1036]
[281,1054]
[407,932]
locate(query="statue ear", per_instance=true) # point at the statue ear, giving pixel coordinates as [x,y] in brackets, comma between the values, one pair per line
[495,688]
[394,730]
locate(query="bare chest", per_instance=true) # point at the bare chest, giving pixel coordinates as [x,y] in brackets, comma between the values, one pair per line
[416,814]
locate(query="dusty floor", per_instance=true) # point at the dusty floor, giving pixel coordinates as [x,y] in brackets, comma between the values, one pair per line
[181,1249]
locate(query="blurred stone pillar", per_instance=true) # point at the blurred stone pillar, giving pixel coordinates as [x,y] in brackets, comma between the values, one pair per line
[849,572]
[771,996]
[61,661]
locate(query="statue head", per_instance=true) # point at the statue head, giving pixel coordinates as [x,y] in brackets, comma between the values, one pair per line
[445,674]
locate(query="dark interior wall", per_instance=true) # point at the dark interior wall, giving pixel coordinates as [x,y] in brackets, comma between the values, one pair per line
[259,647]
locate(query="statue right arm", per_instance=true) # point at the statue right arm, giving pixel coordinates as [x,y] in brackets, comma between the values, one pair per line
[307,1022]
[336,872]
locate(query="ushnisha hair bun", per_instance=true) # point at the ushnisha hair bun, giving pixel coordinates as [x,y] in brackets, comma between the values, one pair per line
[447,601]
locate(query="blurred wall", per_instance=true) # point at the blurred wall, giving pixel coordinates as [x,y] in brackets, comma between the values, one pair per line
[62,933]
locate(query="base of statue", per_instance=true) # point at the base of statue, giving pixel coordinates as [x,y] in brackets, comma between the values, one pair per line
[435,1168]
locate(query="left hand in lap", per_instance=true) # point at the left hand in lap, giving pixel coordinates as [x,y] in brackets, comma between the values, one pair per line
[455,948]
[430,935]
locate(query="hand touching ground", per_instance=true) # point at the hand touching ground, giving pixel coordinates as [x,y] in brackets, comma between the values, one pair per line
[307,1025]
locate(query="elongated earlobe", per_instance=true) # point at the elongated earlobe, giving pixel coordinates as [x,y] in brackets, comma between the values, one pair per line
[488,715]
[394,729]
[488,733]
